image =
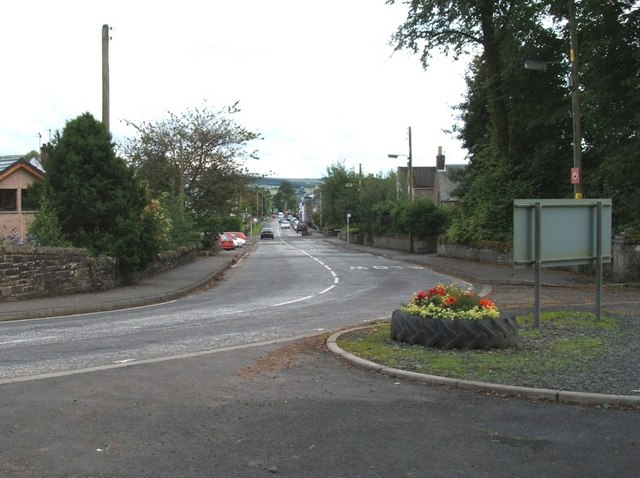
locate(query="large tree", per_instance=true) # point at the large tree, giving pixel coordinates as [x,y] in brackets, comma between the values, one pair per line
[98,201]
[286,198]
[610,74]
[194,158]
[516,123]
[340,195]
[471,27]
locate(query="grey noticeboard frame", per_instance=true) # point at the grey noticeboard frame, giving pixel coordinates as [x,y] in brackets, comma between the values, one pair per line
[561,232]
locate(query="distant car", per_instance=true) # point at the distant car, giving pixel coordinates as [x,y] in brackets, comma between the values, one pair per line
[226,243]
[285,225]
[266,232]
[301,227]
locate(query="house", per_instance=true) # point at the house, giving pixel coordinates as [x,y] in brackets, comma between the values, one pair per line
[430,182]
[445,185]
[16,210]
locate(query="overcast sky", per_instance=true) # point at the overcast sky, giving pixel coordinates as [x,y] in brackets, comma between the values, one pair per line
[317,79]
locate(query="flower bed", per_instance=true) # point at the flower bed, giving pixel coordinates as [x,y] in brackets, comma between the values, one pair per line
[449,317]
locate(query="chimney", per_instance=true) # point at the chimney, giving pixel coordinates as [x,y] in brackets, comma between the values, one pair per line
[440,160]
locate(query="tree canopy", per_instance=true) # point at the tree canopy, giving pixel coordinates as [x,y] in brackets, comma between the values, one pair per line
[96,200]
[517,123]
[194,158]
[286,198]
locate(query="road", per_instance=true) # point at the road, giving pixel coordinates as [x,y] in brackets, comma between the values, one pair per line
[220,384]
[289,287]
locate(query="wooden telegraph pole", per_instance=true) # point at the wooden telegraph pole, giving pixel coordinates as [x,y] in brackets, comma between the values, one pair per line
[105,75]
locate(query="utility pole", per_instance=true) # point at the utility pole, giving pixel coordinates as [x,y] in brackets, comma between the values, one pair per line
[105,75]
[576,173]
[410,168]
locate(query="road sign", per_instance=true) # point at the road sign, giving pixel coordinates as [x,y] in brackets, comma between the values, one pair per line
[575,175]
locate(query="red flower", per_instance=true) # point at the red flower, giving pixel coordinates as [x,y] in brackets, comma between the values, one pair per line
[420,296]
[487,304]
[438,290]
[450,300]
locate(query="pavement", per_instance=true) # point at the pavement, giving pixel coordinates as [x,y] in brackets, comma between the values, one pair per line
[203,272]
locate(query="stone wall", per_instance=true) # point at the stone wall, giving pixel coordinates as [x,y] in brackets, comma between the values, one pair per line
[480,253]
[397,243]
[403,243]
[27,272]
[626,259]
[625,266]
[40,272]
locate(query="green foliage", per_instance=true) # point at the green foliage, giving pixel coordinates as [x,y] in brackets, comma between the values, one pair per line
[194,157]
[340,196]
[96,197]
[610,73]
[517,123]
[422,218]
[184,230]
[286,199]
[32,196]
[374,190]
[46,228]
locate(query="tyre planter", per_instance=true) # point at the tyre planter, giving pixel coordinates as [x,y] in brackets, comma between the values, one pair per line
[449,334]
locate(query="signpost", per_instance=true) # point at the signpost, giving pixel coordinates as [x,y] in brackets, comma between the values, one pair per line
[562,232]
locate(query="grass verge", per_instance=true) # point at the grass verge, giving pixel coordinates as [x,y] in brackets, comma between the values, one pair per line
[564,345]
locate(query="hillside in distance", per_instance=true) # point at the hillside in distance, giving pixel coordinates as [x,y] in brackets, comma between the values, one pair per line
[298,183]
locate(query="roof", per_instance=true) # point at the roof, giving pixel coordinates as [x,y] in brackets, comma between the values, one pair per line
[10,164]
[445,184]
[423,176]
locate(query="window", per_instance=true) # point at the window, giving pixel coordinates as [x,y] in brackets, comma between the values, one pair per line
[8,199]
[30,198]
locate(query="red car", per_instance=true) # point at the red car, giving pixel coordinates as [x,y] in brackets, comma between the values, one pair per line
[235,237]
[225,242]
[241,235]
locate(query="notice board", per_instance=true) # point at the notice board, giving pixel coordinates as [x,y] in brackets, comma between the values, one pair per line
[566,231]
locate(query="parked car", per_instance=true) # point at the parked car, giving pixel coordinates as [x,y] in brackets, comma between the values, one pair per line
[236,238]
[226,243]
[241,235]
[301,227]
[285,225]
[266,232]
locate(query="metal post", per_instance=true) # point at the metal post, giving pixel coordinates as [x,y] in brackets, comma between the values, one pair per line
[538,262]
[599,261]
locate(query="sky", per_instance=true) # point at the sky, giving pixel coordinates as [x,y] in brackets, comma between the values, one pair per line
[318,80]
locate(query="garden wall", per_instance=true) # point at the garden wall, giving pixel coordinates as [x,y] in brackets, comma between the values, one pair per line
[27,273]
[625,266]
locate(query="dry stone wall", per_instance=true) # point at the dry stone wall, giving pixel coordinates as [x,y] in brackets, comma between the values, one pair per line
[27,273]
[40,272]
